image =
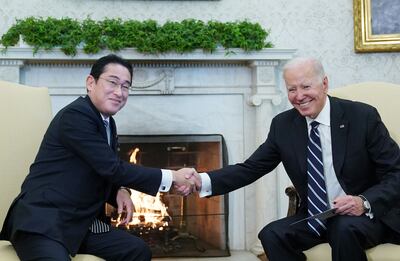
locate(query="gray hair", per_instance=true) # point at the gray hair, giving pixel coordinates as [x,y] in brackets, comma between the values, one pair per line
[318,69]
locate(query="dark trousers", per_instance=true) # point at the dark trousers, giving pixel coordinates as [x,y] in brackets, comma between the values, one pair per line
[348,237]
[116,245]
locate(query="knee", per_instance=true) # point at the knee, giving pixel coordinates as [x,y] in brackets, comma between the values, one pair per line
[146,252]
[342,227]
[269,234]
[139,250]
[263,234]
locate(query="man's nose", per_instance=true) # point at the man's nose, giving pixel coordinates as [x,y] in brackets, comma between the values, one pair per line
[118,90]
[299,95]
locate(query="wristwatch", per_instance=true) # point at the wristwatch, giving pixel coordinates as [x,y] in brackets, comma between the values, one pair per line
[366,205]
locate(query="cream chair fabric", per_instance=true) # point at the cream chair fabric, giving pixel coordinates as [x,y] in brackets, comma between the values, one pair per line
[384,97]
[7,253]
[384,252]
[26,113]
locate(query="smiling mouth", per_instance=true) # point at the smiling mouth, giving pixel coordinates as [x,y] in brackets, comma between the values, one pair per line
[115,101]
[304,104]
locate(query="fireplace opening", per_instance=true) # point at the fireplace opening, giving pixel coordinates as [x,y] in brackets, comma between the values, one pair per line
[172,225]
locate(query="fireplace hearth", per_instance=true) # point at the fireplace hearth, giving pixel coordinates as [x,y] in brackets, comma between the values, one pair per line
[172,225]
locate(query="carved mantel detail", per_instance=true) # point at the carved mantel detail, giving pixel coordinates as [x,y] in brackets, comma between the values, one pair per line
[162,81]
[264,82]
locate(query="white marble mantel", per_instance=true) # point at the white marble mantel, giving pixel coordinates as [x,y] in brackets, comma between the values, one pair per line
[234,94]
[220,54]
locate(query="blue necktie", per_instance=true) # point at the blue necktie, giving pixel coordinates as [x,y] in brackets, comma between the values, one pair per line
[317,197]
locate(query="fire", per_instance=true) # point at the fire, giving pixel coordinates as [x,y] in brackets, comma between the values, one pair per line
[149,211]
[132,158]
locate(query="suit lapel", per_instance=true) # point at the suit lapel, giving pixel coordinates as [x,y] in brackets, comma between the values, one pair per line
[107,185]
[339,130]
[299,140]
[99,119]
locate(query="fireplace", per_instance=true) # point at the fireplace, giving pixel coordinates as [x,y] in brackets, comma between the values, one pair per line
[173,225]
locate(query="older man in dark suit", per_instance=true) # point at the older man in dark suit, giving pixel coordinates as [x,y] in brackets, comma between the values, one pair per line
[59,210]
[338,154]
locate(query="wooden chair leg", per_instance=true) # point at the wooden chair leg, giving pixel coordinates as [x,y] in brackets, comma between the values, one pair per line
[263,257]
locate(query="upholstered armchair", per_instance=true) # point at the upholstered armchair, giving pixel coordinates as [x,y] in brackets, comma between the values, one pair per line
[383,96]
[26,113]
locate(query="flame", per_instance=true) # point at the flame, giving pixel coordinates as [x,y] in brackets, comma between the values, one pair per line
[148,210]
[132,158]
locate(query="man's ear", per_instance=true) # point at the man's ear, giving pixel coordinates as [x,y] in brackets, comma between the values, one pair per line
[325,84]
[90,82]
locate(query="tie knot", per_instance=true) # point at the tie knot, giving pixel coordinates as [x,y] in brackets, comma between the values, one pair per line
[105,122]
[314,124]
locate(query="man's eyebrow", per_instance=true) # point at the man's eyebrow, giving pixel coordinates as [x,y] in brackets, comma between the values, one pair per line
[117,78]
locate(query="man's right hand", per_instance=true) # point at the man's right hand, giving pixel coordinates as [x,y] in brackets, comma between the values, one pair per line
[195,177]
[182,181]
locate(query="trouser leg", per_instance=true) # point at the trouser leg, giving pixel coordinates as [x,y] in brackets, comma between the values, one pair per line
[283,241]
[116,245]
[32,247]
[349,236]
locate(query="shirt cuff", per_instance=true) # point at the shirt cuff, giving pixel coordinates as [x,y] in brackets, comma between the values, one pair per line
[126,189]
[166,180]
[205,185]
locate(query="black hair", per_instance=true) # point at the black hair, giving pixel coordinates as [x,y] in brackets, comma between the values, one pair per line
[101,63]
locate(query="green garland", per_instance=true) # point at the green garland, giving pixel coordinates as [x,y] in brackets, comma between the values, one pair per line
[146,36]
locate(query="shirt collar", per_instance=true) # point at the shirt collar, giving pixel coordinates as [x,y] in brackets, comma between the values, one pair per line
[105,118]
[324,117]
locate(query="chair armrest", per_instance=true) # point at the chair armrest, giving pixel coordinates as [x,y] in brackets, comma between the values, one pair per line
[293,200]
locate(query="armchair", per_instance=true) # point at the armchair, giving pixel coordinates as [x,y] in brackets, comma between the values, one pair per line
[384,97]
[26,115]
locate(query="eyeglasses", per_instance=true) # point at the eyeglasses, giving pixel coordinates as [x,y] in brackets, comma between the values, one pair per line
[113,84]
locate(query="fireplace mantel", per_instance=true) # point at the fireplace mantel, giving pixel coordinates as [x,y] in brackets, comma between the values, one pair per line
[234,94]
[263,63]
[220,54]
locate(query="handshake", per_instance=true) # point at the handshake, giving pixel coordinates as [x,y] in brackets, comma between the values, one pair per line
[186,181]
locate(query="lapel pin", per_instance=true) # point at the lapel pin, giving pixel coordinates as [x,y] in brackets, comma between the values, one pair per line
[341,126]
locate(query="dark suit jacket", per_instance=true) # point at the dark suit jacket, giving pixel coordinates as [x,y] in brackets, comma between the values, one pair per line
[365,158]
[75,172]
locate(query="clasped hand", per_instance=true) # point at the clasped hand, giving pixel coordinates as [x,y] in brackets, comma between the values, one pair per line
[349,205]
[186,181]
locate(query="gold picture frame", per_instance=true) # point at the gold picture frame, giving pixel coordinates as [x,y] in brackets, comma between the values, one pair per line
[364,38]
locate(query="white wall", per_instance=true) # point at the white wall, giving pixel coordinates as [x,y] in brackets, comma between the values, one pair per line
[320,28]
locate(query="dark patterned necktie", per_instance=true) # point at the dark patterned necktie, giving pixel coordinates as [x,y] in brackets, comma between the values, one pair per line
[317,196]
[99,226]
[108,131]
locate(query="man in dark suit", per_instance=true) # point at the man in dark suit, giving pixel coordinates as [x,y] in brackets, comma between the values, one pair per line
[59,210]
[338,154]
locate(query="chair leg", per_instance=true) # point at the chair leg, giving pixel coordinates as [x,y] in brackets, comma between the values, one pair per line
[263,257]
